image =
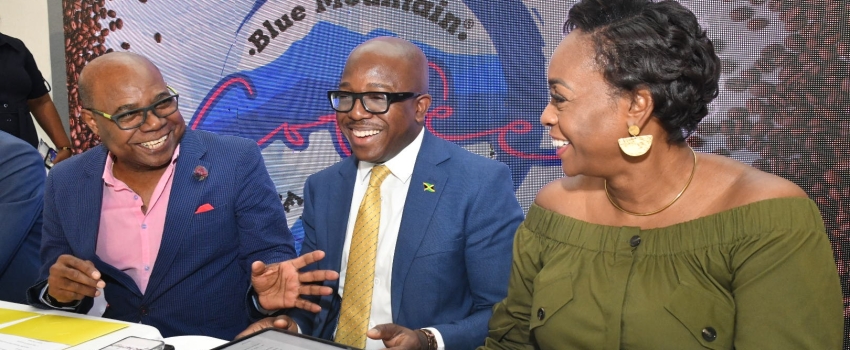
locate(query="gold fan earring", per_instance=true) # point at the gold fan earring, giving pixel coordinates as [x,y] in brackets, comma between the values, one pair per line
[635,145]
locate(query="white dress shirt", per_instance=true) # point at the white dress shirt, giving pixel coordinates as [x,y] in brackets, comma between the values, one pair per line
[393,194]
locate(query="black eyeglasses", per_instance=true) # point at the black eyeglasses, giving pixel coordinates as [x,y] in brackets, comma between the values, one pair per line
[135,118]
[374,102]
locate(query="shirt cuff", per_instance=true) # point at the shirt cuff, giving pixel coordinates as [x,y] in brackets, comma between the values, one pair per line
[43,298]
[438,337]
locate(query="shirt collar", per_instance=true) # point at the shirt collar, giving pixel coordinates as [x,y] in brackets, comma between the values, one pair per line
[401,166]
[109,179]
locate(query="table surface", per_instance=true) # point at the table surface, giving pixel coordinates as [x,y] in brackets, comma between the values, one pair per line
[132,329]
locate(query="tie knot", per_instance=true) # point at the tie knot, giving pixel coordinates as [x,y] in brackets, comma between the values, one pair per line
[379,173]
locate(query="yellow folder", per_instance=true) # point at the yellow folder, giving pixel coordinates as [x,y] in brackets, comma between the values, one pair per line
[61,329]
[8,315]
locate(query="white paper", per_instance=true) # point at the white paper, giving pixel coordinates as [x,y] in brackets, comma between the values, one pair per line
[12,342]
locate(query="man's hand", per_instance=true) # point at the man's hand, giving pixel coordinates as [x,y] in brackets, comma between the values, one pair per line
[398,337]
[61,155]
[73,279]
[282,322]
[280,286]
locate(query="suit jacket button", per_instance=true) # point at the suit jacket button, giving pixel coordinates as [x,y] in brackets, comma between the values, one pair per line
[144,311]
[709,334]
[541,314]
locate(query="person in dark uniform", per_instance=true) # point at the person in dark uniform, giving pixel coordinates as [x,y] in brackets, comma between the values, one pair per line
[23,91]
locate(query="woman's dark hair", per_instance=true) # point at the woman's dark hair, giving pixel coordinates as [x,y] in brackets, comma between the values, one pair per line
[656,45]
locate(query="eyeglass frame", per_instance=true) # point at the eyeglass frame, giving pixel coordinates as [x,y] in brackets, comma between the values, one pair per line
[392,97]
[145,110]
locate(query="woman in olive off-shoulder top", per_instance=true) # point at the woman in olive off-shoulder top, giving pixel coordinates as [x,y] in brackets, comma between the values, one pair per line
[647,244]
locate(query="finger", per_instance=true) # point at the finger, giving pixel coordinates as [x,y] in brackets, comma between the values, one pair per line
[257,269]
[307,305]
[256,327]
[244,333]
[65,290]
[385,331]
[83,279]
[84,266]
[318,276]
[313,289]
[374,334]
[307,259]
[67,284]
[285,322]
[281,323]
[78,289]
[63,274]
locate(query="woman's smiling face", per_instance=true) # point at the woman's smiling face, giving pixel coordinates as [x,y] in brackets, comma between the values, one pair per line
[586,115]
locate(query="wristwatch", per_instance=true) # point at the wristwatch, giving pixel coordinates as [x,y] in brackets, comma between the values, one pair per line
[55,303]
[432,340]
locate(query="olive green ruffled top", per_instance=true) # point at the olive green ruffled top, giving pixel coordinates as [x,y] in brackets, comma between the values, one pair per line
[759,276]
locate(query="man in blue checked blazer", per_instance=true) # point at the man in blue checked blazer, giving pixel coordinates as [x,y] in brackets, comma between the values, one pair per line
[447,216]
[21,200]
[164,222]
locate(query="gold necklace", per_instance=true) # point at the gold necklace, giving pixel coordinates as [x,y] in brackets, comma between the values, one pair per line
[693,171]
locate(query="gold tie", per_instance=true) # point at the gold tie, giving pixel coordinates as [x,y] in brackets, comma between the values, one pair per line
[360,273]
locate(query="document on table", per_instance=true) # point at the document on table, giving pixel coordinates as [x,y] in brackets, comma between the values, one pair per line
[8,315]
[11,342]
[55,329]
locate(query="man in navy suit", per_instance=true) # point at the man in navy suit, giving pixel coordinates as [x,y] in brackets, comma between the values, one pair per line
[21,200]
[447,216]
[164,222]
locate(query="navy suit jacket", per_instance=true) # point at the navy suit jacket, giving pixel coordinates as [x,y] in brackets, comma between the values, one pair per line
[22,175]
[201,276]
[453,254]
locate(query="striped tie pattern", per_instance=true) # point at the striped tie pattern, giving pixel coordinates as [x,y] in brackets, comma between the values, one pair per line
[360,273]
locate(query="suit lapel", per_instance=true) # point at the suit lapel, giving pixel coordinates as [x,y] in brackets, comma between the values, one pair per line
[337,213]
[419,209]
[186,192]
[83,237]
[340,189]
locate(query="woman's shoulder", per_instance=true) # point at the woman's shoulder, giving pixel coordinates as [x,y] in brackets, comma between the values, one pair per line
[722,184]
[567,195]
[745,184]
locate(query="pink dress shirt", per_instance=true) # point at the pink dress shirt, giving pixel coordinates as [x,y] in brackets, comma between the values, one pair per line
[129,238]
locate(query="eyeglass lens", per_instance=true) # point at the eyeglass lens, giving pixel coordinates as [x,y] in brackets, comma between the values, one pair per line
[374,102]
[135,118]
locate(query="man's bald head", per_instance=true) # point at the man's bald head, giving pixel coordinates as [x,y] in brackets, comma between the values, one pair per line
[410,62]
[127,87]
[398,68]
[114,64]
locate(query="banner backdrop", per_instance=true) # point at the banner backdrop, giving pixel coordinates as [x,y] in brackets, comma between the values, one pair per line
[260,69]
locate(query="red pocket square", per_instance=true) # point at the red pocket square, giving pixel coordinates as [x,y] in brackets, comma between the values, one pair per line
[204,208]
